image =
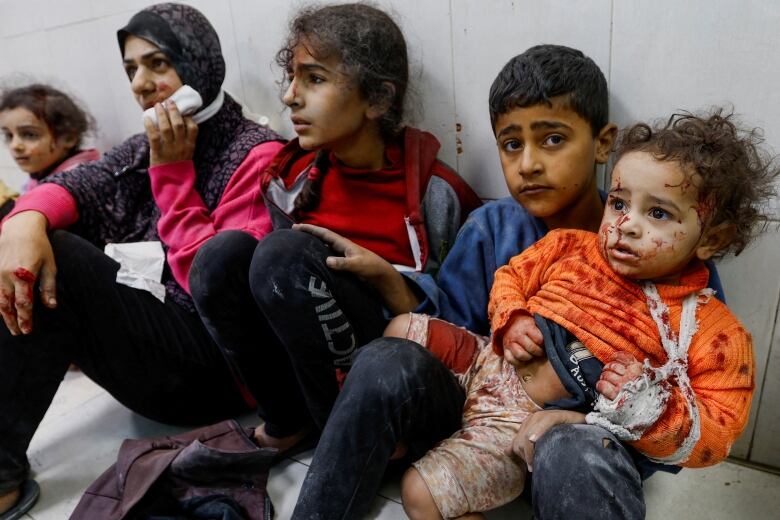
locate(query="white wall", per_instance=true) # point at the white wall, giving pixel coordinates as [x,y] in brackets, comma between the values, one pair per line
[658,56]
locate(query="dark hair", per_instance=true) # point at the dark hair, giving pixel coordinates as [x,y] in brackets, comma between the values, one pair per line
[545,71]
[372,50]
[57,110]
[734,175]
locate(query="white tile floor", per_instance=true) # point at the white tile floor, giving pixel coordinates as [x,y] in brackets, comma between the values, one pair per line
[80,436]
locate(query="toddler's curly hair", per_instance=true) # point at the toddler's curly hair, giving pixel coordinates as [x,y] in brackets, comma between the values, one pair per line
[734,174]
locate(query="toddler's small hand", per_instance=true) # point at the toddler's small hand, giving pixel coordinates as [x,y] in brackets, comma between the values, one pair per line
[522,340]
[622,369]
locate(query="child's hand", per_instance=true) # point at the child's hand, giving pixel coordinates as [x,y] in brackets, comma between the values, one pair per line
[173,138]
[522,340]
[534,429]
[369,266]
[357,260]
[622,369]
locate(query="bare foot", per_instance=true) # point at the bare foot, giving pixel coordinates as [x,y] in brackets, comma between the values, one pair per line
[8,500]
[280,443]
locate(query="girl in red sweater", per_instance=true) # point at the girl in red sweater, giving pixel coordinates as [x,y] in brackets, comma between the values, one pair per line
[364,193]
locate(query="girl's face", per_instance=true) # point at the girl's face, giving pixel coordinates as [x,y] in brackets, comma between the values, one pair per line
[31,142]
[152,76]
[327,110]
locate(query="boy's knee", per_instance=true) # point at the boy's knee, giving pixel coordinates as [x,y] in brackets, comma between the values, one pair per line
[611,483]
[391,356]
[566,445]
[416,497]
[389,368]
[398,327]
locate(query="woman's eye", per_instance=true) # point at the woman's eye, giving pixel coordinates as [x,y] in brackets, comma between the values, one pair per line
[316,79]
[659,214]
[553,140]
[159,63]
[512,145]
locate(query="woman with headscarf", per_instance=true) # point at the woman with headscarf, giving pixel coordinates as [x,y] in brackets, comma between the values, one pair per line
[179,183]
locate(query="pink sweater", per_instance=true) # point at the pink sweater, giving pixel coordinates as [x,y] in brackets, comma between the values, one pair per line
[185,223]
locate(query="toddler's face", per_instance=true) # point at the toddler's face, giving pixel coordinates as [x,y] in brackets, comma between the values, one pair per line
[30,141]
[653,223]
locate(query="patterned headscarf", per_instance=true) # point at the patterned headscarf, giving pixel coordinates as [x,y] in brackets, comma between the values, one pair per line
[187,38]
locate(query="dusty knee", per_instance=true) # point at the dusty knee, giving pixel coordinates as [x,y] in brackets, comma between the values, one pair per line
[398,327]
[389,369]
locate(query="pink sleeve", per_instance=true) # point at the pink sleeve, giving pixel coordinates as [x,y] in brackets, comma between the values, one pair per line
[185,222]
[55,202]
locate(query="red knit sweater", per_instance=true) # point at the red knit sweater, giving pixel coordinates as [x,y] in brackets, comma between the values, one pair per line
[376,197]
[564,277]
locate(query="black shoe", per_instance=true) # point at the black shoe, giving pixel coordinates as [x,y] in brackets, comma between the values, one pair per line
[29,493]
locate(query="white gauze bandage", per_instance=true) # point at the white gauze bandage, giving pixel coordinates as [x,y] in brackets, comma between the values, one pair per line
[642,401]
[188,101]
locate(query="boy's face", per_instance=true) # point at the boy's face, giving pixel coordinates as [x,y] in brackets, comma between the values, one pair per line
[548,154]
[654,223]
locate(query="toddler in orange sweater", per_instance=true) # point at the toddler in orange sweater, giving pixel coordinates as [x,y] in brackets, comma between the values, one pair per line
[678,377]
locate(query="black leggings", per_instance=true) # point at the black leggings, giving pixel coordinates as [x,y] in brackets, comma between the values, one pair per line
[285,319]
[155,358]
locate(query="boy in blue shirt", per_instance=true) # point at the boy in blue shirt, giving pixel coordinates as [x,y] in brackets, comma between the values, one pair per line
[549,111]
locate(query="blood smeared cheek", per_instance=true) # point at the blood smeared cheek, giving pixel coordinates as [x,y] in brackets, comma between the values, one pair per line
[604,230]
[658,243]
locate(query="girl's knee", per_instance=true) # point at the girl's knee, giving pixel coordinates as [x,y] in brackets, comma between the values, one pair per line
[286,255]
[218,261]
[283,247]
[398,326]
[416,497]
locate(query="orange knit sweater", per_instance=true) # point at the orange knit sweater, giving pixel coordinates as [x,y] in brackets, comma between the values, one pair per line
[564,277]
